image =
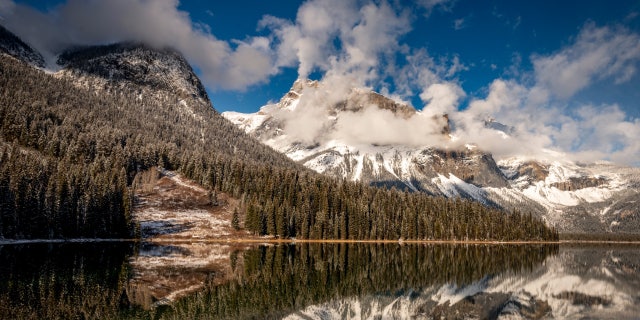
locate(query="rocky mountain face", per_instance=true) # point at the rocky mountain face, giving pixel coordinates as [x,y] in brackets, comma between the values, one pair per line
[570,196]
[155,75]
[162,77]
[15,47]
[135,64]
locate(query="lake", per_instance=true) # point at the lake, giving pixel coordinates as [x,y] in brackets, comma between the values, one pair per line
[124,280]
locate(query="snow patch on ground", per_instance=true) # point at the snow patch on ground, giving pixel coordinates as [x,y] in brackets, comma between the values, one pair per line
[176,219]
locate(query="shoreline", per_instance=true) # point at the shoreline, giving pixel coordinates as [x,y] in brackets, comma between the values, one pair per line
[300,241]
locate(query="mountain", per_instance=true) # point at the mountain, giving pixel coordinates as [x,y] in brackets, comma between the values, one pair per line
[404,167]
[73,142]
[572,197]
[137,65]
[163,82]
[12,45]
[77,144]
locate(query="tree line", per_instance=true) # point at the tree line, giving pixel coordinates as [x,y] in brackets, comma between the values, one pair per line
[299,204]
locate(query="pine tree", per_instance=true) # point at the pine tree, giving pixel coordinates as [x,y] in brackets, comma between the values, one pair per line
[235,220]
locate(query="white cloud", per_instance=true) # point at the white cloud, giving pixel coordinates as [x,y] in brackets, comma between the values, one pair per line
[430,5]
[441,98]
[157,23]
[6,7]
[420,71]
[541,115]
[357,47]
[383,127]
[597,54]
[313,120]
[459,24]
[339,37]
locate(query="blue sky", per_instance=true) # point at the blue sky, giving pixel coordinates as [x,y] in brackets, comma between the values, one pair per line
[565,72]
[487,36]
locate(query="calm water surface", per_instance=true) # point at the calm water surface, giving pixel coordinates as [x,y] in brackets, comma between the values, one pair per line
[317,281]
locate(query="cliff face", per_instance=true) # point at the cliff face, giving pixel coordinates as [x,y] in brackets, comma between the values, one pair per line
[577,183]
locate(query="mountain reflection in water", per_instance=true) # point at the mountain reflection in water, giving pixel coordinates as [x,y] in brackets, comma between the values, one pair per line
[598,282]
[317,281]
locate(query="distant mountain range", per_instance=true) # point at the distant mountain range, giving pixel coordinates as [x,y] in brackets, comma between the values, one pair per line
[573,197]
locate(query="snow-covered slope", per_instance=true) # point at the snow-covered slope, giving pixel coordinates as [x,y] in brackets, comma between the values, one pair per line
[597,197]
[138,64]
[150,74]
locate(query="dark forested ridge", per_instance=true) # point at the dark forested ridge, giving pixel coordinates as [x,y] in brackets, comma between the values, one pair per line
[69,155]
[14,46]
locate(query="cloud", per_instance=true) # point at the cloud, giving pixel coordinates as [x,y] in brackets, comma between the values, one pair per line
[459,24]
[597,54]
[544,124]
[430,5]
[441,98]
[158,23]
[383,127]
[357,48]
[314,119]
[602,132]
[542,117]
[517,23]
[6,7]
[339,37]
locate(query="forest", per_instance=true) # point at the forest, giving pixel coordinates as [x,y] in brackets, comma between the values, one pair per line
[69,155]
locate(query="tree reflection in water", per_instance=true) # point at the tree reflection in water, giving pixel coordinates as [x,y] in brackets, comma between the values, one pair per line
[104,280]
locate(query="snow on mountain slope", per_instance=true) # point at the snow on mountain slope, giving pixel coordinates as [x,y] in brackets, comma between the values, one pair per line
[139,64]
[148,73]
[311,125]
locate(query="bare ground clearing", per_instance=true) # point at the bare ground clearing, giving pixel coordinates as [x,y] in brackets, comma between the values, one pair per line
[176,218]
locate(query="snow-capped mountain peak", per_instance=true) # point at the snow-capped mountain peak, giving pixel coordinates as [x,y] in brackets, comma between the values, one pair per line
[359,135]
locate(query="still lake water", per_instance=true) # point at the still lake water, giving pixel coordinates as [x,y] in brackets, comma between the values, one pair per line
[317,281]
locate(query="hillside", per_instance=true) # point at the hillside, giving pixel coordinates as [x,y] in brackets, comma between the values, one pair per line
[76,140]
[15,47]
